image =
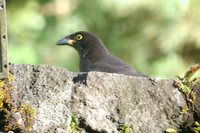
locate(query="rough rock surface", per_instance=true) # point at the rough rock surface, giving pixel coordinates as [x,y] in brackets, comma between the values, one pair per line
[100,102]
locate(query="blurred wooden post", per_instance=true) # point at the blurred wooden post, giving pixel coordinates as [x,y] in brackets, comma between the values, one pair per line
[3,41]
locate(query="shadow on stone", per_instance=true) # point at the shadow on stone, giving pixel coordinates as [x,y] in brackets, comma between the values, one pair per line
[87,128]
[80,78]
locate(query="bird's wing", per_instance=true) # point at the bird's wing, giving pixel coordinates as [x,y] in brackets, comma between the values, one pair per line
[113,65]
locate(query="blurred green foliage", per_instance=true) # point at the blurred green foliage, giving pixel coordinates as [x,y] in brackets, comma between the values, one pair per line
[159,38]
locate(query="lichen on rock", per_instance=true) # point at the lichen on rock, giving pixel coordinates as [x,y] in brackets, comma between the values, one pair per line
[12,117]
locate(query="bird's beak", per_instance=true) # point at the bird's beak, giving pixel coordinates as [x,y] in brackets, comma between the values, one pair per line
[66,41]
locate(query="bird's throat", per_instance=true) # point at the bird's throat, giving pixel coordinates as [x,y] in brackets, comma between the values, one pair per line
[94,55]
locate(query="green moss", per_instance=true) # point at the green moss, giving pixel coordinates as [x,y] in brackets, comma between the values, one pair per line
[191,110]
[196,128]
[170,130]
[187,83]
[73,125]
[125,129]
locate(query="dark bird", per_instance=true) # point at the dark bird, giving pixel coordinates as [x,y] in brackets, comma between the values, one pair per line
[94,56]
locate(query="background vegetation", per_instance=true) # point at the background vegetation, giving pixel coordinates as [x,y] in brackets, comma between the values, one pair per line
[160,38]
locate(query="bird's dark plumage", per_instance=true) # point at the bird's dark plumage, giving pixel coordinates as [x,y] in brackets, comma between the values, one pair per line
[94,56]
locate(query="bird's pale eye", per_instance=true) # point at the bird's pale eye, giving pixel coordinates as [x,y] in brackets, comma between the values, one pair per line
[79,37]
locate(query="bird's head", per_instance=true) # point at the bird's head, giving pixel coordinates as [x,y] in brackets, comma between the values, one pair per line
[81,40]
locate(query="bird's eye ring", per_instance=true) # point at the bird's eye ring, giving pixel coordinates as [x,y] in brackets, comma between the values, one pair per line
[79,37]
